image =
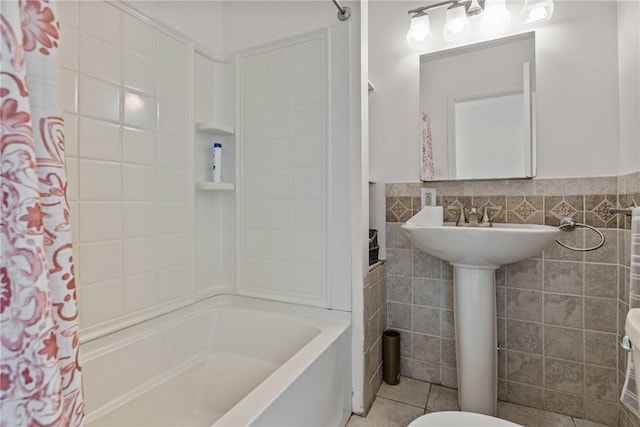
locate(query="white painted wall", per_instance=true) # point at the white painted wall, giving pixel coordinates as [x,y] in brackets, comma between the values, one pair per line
[629,84]
[577,92]
[199,20]
[248,23]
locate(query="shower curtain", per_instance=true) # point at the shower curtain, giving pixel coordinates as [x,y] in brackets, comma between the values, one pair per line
[40,381]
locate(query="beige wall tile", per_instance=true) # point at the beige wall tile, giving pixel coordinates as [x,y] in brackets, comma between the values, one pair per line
[396,237]
[427,292]
[563,310]
[562,186]
[406,338]
[563,343]
[524,305]
[524,336]
[557,252]
[602,412]
[524,368]
[525,274]
[399,315]
[399,262]
[501,301]
[427,348]
[600,314]
[562,375]
[601,280]
[399,289]
[426,372]
[564,277]
[600,348]
[563,403]
[525,395]
[600,383]
[426,320]
[425,265]
[607,253]
[448,355]
[448,327]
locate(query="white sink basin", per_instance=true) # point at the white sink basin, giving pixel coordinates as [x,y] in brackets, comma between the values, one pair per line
[475,253]
[482,246]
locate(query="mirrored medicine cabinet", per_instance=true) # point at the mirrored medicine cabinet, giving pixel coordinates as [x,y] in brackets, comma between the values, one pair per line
[477,111]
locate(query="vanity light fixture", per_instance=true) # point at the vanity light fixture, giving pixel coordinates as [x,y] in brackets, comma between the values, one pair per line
[495,18]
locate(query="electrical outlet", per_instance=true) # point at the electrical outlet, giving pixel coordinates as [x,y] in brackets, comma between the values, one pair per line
[427,197]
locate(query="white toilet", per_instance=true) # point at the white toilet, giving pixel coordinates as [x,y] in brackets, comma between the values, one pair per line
[460,419]
[632,329]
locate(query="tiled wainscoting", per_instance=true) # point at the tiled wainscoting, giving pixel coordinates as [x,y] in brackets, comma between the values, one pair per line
[559,312]
[375,322]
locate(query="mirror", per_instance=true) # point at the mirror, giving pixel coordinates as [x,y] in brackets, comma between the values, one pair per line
[477,111]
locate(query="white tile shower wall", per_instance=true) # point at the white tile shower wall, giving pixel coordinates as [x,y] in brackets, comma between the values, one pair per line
[125,87]
[284,144]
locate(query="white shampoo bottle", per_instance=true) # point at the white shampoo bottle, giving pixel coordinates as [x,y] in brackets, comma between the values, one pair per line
[217,162]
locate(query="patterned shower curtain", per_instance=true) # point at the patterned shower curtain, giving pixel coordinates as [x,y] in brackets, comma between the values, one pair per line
[40,381]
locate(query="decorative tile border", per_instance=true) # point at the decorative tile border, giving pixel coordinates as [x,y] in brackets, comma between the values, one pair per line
[547,210]
[403,201]
[524,187]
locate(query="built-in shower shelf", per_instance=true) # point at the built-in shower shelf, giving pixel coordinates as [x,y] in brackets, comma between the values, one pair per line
[215,186]
[215,128]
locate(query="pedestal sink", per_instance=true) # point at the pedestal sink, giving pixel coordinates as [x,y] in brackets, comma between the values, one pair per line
[476,253]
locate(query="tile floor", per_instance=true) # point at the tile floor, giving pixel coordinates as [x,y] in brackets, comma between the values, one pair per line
[397,406]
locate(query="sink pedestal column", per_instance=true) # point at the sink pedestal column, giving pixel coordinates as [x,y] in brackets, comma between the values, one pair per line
[476,338]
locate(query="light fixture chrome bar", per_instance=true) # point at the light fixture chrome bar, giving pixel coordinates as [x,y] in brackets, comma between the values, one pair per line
[434,6]
[344,12]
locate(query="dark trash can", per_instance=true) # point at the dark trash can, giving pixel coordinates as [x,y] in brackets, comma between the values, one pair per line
[391,357]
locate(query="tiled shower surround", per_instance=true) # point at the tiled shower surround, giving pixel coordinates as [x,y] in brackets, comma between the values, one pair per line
[559,313]
[124,86]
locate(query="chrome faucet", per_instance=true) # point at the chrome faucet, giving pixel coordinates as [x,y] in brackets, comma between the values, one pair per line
[473,217]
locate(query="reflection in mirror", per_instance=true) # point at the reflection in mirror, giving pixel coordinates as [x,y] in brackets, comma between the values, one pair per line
[477,111]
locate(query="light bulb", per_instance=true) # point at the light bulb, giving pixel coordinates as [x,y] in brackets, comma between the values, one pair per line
[496,17]
[457,26]
[419,33]
[537,11]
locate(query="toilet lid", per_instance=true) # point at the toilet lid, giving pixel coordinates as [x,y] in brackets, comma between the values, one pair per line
[460,419]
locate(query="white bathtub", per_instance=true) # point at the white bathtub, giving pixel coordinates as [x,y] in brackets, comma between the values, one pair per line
[227,361]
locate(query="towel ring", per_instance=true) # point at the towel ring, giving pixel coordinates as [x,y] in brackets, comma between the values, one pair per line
[570,224]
